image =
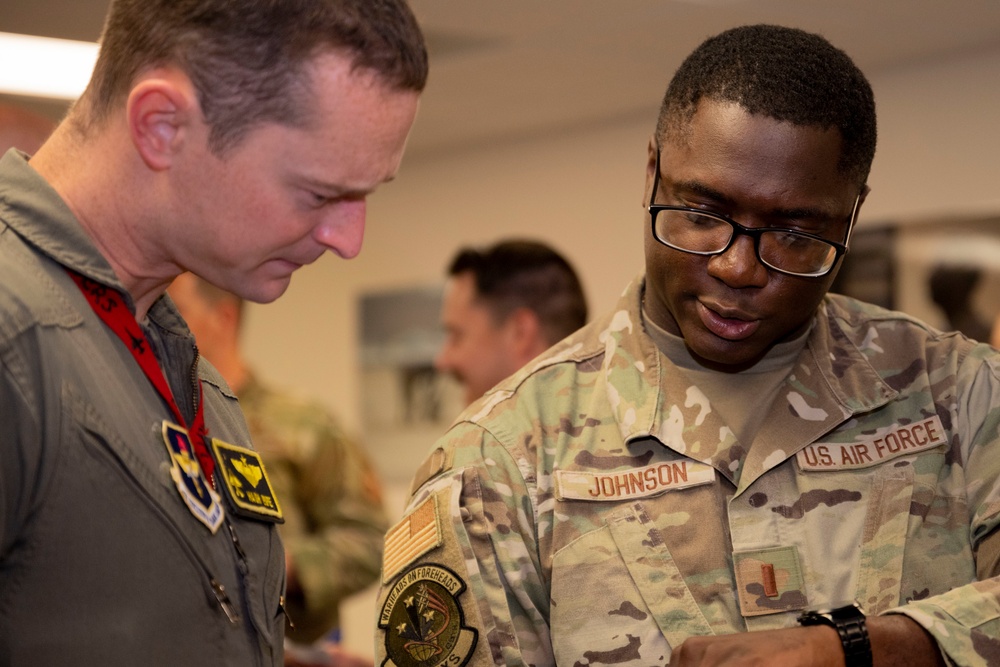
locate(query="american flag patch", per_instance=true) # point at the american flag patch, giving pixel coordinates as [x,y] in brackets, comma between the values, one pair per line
[415,535]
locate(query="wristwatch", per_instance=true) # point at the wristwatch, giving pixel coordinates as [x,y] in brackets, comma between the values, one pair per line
[849,622]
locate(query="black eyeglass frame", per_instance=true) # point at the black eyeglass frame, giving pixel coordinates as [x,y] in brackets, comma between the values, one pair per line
[753,232]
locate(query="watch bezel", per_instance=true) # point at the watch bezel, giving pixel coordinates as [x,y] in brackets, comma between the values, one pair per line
[850,623]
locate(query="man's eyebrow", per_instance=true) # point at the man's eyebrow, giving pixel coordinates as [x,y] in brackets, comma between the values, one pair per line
[700,189]
[798,213]
[806,213]
[341,190]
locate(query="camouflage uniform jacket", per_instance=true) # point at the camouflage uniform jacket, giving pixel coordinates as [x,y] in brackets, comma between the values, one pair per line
[585,511]
[330,499]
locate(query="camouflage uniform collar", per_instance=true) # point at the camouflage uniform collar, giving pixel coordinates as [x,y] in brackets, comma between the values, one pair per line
[831,380]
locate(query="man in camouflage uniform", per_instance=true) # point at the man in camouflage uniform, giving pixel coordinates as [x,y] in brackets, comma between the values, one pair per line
[328,493]
[732,447]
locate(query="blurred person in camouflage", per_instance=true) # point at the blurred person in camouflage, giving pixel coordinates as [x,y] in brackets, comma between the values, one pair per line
[734,466]
[23,128]
[503,306]
[326,486]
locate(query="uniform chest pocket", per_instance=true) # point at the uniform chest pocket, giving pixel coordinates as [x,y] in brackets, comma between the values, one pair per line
[616,592]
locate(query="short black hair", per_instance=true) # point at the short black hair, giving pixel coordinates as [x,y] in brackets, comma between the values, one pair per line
[782,73]
[521,273]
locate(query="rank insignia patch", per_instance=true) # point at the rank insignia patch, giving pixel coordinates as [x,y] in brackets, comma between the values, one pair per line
[423,620]
[246,482]
[201,500]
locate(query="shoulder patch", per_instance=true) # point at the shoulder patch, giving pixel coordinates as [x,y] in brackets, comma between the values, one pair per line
[416,534]
[202,501]
[246,483]
[423,620]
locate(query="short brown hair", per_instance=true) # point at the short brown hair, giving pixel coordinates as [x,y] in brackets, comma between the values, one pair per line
[246,58]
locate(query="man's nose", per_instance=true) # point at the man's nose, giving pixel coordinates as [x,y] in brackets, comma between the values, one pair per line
[343,231]
[739,266]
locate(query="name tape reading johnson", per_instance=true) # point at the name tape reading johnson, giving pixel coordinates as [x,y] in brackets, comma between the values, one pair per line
[899,441]
[635,483]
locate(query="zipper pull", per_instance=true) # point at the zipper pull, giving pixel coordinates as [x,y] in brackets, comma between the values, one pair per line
[284,610]
[239,548]
[223,598]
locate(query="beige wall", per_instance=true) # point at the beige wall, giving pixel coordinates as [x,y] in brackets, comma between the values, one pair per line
[938,155]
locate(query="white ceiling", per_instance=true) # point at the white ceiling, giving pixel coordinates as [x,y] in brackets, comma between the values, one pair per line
[505,70]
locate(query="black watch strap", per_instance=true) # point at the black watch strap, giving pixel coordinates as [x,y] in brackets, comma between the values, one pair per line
[849,622]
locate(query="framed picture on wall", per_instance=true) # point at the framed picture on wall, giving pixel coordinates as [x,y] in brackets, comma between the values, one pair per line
[945,272]
[406,404]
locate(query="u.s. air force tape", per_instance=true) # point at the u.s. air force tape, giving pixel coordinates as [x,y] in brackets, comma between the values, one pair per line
[247,486]
[423,620]
[893,442]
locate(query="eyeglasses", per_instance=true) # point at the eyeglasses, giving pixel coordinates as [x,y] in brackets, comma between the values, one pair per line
[785,250]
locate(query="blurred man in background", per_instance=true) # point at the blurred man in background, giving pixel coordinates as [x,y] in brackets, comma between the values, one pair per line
[952,289]
[503,306]
[327,488]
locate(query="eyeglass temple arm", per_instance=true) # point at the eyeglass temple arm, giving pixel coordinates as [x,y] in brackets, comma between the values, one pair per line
[656,180]
[850,226]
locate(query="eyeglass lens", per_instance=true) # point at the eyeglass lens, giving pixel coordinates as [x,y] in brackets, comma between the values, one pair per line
[705,234]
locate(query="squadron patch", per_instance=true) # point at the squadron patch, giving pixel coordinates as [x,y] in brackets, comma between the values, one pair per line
[201,500]
[423,620]
[247,485]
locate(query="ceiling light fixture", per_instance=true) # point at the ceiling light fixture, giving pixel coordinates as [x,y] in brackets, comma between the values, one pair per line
[45,66]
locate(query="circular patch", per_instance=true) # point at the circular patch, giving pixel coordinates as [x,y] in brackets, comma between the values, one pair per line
[423,620]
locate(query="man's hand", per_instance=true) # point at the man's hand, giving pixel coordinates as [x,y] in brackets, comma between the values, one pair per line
[816,646]
[896,641]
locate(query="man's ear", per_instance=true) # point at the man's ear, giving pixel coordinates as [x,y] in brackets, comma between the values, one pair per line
[865,190]
[525,334]
[160,110]
[650,169]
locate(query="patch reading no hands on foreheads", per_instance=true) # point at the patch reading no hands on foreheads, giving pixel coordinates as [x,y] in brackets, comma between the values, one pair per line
[423,620]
